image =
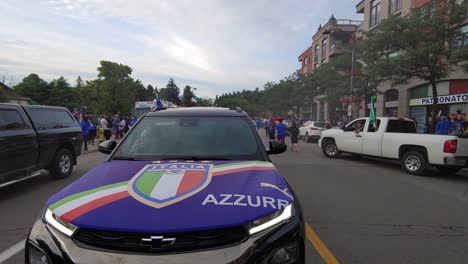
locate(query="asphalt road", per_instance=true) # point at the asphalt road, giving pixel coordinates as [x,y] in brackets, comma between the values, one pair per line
[363,210]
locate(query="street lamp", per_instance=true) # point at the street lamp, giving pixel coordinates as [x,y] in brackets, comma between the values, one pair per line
[328,32]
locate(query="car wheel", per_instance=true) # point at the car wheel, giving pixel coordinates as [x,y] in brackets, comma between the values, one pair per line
[62,165]
[448,170]
[307,139]
[414,162]
[330,150]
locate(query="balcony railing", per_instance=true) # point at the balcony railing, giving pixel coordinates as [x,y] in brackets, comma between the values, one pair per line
[337,48]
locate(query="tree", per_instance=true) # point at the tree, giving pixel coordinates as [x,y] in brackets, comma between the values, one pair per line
[187,95]
[116,89]
[142,93]
[60,93]
[34,87]
[151,91]
[170,92]
[79,82]
[417,46]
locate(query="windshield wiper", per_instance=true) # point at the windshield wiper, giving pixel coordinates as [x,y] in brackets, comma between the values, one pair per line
[122,158]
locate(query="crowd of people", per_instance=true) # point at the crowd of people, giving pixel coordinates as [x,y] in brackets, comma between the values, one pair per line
[114,127]
[456,125]
[277,129]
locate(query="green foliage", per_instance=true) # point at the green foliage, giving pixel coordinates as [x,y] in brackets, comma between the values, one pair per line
[170,92]
[34,87]
[187,95]
[416,46]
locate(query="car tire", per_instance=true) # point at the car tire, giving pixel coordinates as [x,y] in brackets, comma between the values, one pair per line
[414,162]
[448,170]
[330,149]
[62,165]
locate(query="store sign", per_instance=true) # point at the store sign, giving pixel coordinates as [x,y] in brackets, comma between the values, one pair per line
[444,99]
[391,104]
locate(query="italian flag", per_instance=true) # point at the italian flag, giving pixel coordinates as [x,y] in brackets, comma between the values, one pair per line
[195,100]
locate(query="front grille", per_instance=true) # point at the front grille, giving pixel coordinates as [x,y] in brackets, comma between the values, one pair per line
[184,242]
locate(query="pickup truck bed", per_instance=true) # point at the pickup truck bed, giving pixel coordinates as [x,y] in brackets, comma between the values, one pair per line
[448,153]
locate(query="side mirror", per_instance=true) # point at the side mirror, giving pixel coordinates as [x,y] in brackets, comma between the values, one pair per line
[276,147]
[107,146]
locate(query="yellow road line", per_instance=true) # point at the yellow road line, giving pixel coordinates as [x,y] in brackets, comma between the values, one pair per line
[320,246]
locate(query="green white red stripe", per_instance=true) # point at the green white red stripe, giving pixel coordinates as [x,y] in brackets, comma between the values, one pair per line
[163,185]
[242,166]
[78,204]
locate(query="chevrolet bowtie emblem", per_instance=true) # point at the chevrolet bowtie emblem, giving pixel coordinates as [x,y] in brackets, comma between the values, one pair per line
[158,242]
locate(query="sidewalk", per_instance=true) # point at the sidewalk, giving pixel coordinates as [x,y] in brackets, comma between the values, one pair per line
[91,148]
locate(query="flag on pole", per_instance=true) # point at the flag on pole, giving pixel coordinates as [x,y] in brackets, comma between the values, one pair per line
[372,117]
[195,100]
[159,104]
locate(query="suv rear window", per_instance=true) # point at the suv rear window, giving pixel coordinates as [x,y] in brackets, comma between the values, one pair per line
[44,118]
[11,119]
[401,126]
[317,124]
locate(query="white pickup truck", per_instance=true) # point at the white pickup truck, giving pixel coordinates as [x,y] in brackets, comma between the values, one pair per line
[395,138]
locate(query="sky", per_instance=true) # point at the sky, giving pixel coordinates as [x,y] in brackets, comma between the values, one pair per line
[216,46]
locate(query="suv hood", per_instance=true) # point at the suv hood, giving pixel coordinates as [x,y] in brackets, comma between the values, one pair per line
[171,196]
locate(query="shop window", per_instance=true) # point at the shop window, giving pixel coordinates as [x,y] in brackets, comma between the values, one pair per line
[419,92]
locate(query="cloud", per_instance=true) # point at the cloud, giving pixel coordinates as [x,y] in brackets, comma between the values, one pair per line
[216,45]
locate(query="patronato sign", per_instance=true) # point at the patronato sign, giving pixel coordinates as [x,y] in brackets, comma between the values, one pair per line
[443,99]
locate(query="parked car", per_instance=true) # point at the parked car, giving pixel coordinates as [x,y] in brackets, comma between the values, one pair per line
[395,138]
[185,185]
[311,130]
[34,138]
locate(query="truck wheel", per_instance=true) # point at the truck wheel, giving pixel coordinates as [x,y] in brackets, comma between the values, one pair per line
[448,170]
[414,162]
[330,149]
[62,165]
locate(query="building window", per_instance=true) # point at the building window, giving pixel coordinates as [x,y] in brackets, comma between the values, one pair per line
[316,65]
[316,54]
[305,61]
[395,6]
[323,61]
[460,40]
[375,13]
[324,47]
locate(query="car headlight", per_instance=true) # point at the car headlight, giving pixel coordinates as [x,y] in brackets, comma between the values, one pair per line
[36,256]
[62,226]
[271,220]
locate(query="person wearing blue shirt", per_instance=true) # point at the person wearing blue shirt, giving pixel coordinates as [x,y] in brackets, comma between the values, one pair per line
[443,126]
[281,130]
[134,119]
[85,129]
[91,131]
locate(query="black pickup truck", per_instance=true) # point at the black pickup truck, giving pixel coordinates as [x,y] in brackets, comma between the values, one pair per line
[34,138]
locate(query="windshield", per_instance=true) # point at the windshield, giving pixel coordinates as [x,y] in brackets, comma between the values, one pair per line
[190,138]
[317,124]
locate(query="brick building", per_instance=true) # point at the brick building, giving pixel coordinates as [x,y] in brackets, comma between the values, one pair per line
[413,99]
[330,40]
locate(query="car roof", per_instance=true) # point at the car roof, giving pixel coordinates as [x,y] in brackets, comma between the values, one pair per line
[197,111]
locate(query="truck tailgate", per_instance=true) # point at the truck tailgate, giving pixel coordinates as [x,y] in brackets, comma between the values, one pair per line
[462,147]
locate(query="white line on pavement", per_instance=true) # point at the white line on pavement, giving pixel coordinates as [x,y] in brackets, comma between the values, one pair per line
[12,251]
